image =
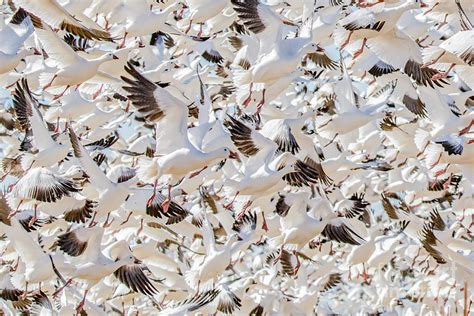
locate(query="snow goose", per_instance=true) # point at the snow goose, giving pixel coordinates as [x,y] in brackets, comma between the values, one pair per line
[40,185]
[158,105]
[26,108]
[286,53]
[215,261]
[370,22]
[141,21]
[56,15]
[299,228]
[13,38]
[201,11]
[70,64]
[363,252]
[111,195]
[92,265]
[39,265]
[262,20]
[458,52]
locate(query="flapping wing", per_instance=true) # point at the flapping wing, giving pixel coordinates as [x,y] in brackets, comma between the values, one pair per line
[228,301]
[151,100]
[96,176]
[45,186]
[175,214]
[133,276]
[55,15]
[248,141]
[422,76]
[340,232]
[80,214]
[322,60]
[84,242]
[416,106]
[56,48]
[250,14]
[285,140]
[429,242]
[30,117]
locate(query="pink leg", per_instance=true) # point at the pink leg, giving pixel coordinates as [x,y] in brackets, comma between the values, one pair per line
[166,203]
[249,98]
[229,205]
[189,27]
[347,40]
[152,197]
[61,94]
[262,102]
[360,50]
[442,75]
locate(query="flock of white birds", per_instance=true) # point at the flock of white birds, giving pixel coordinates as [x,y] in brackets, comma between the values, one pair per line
[242,157]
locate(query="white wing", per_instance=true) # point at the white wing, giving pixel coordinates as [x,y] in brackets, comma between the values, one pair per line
[56,48]
[28,250]
[97,177]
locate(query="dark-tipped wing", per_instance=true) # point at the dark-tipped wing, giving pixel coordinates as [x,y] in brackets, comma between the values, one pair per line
[436,220]
[381,68]
[453,145]
[228,301]
[322,60]
[359,205]
[71,244]
[195,302]
[281,207]
[142,94]
[80,214]
[175,214]
[306,173]
[45,187]
[389,208]
[134,278]
[422,75]
[333,280]
[246,224]
[103,143]
[416,106]
[248,13]
[285,140]
[340,232]
[241,136]
[429,242]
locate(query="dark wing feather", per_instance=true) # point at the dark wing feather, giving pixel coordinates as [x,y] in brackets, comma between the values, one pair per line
[228,301]
[452,147]
[322,60]
[416,106]
[422,75]
[247,11]
[281,207]
[141,94]
[135,279]
[341,233]
[333,280]
[241,136]
[381,68]
[429,241]
[70,244]
[81,214]
[286,141]
[175,213]
[436,220]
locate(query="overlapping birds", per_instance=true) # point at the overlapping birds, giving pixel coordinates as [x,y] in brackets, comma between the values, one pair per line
[242,157]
